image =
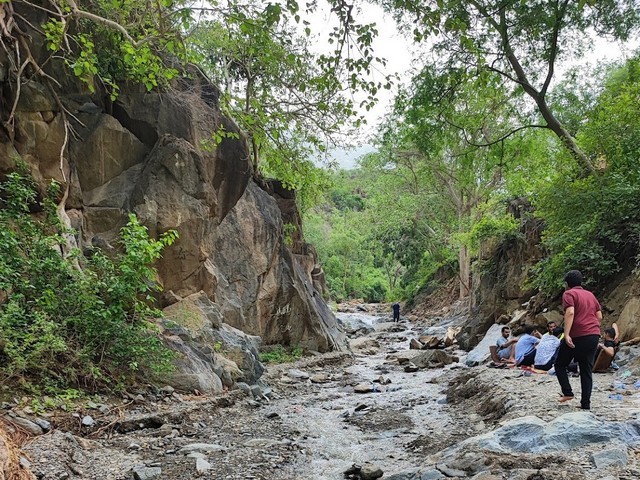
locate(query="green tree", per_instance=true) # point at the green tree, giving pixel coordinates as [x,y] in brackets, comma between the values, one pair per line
[593,223]
[517,43]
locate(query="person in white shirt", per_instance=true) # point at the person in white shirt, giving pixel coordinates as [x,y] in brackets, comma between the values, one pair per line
[547,350]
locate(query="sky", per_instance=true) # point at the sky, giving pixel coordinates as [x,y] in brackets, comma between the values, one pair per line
[400,51]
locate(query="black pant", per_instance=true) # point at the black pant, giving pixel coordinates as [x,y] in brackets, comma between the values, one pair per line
[528,359]
[584,354]
[396,316]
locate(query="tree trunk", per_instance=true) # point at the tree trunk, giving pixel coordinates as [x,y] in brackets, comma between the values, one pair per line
[464,271]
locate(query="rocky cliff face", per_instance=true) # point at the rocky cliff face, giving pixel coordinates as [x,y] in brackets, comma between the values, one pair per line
[153,154]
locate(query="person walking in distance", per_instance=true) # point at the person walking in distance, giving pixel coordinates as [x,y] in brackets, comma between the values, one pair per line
[396,312]
[582,317]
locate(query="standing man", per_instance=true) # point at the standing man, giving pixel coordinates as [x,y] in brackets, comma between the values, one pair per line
[582,316]
[396,312]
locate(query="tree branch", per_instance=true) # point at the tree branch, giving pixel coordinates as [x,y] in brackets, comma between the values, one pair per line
[77,13]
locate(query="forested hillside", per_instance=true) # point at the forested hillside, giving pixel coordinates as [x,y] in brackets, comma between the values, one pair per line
[493,135]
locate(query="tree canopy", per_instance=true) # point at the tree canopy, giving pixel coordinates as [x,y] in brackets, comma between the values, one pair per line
[518,44]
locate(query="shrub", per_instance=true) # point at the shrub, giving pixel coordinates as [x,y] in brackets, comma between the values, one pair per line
[278,354]
[63,326]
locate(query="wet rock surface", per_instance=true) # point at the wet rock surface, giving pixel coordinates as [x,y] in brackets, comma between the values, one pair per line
[305,421]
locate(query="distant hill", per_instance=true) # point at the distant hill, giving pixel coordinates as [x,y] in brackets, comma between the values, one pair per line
[346,157]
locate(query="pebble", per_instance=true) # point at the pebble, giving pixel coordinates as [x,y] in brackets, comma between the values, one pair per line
[201,447]
[202,466]
[88,421]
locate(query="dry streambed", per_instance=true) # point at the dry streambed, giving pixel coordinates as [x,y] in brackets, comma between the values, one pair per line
[309,421]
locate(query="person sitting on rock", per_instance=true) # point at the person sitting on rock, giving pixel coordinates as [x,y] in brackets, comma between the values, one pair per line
[525,349]
[547,350]
[504,346]
[551,326]
[606,351]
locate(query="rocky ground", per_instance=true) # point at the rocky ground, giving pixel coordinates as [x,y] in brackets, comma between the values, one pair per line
[308,421]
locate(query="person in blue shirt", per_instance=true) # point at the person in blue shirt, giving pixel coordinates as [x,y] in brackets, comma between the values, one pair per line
[526,346]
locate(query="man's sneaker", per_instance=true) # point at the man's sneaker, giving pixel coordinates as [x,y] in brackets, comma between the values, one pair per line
[615,366]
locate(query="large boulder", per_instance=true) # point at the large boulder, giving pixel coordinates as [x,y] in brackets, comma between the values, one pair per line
[531,435]
[212,352]
[261,288]
[480,353]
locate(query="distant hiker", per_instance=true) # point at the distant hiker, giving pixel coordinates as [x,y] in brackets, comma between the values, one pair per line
[582,317]
[547,350]
[526,346]
[504,347]
[396,312]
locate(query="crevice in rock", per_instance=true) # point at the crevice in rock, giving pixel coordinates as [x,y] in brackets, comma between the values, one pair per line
[143,131]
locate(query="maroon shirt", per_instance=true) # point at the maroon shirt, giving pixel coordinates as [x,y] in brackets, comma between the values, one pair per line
[585,307]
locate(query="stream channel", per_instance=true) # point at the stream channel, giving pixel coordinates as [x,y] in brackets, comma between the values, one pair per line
[343,428]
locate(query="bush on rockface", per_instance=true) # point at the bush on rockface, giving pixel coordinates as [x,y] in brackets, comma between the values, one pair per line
[62,325]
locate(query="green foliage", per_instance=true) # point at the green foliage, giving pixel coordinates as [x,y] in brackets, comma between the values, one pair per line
[61,326]
[492,226]
[291,101]
[112,42]
[514,44]
[289,229]
[280,354]
[591,221]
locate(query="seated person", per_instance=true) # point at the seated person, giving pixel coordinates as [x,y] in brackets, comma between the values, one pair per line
[525,349]
[547,350]
[607,351]
[504,344]
[551,326]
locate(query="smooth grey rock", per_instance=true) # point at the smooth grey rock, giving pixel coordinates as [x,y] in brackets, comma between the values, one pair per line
[88,421]
[532,435]
[201,447]
[320,378]
[147,473]
[43,424]
[480,353]
[167,390]
[202,466]
[243,387]
[611,457]
[370,471]
[363,388]
[295,373]
[25,424]
[258,393]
